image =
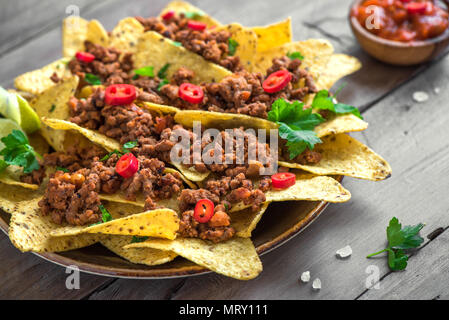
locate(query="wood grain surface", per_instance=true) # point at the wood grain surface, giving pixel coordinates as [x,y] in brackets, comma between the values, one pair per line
[412,136]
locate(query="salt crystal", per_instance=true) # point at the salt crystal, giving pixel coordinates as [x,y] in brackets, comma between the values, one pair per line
[305,276]
[316,285]
[344,252]
[420,96]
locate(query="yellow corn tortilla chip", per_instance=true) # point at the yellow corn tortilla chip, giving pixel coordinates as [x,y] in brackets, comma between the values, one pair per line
[37,81]
[316,52]
[97,34]
[273,35]
[126,34]
[74,33]
[30,231]
[236,258]
[11,196]
[146,256]
[111,144]
[339,124]
[155,50]
[244,222]
[53,103]
[158,108]
[247,43]
[307,187]
[339,66]
[158,223]
[344,155]
[183,7]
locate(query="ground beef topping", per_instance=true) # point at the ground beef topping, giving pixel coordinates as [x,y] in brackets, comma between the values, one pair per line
[211,45]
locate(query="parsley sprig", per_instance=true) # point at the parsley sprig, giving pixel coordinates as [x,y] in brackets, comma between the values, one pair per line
[125,149]
[105,216]
[232,46]
[296,125]
[399,240]
[92,79]
[324,101]
[18,152]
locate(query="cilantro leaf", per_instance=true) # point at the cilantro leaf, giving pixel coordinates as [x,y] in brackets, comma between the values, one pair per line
[62,169]
[162,74]
[129,145]
[105,215]
[147,71]
[296,125]
[18,152]
[161,84]
[125,149]
[295,55]
[400,239]
[232,46]
[192,14]
[3,165]
[323,101]
[92,79]
[106,157]
[137,239]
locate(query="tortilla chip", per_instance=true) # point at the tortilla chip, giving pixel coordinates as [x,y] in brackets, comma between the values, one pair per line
[11,176]
[274,35]
[126,34]
[316,52]
[307,187]
[10,196]
[30,231]
[159,223]
[183,178]
[53,103]
[339,66]
[247,43]
[146,256]
[37,81]
[155,50]
[340,124]
[120,197]
[244,222]
[74,33]
[158,108]
[183,7]
[97,34]
[344,155]
[62,125]
[236,258]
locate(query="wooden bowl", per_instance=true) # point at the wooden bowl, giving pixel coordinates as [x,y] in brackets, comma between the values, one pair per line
[280,223]
[395,52]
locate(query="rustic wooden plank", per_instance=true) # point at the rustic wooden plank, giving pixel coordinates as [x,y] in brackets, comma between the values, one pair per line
[20,21]
[412,137]
[425,278]
[26,276]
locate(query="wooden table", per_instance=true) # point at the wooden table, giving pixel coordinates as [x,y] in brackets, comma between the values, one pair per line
[412,136]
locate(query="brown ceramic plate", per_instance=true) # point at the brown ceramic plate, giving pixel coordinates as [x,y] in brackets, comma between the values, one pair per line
[280,223]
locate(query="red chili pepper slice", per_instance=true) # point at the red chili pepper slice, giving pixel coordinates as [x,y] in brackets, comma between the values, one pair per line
[196,25]
[168,15]
[120,94]
[204,210]
[191,93]
[84,56]
[127,165]
[416,7]
[283,180]
[277,81]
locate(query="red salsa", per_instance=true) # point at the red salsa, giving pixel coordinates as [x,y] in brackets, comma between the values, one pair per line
[402,20]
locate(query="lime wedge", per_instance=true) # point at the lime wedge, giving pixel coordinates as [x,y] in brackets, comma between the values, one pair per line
[6,127]
[9,106]
[30,120]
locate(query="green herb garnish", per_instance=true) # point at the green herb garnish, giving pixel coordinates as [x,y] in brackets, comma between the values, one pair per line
[400,239]
[232,46]
[145,71]
[295,55]
[125,149]
[105,215]
[18,152]
[53,107]
[62,169]
[162,74]
[176,43]
[193,14]
[296,125]
[323,101]
[162,83]
[137,239]
[92,79]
